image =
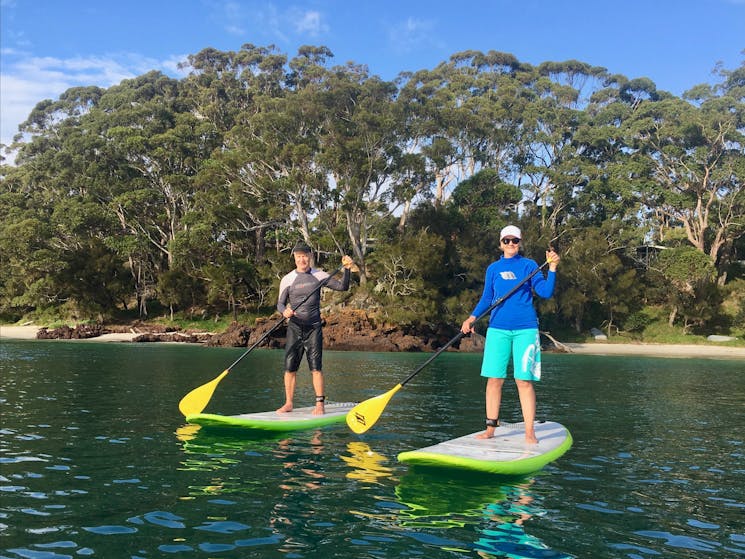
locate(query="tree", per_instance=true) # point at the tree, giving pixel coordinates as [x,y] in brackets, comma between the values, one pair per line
[687,273]
[359,149]
[597,284]
[691,158]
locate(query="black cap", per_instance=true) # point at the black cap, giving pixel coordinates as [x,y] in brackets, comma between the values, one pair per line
[301,247]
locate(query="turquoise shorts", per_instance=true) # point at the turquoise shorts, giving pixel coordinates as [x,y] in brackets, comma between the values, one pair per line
[523,345]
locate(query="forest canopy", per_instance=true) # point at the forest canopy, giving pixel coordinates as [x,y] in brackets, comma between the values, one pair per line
[188,194]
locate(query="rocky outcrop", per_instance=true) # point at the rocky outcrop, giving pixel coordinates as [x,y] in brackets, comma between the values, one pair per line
[79,332]
[236,335]
[138,332]
[184,337]
[345,330]
[355,330]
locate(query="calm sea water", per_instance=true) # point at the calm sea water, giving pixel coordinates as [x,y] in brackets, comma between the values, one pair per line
[95,459]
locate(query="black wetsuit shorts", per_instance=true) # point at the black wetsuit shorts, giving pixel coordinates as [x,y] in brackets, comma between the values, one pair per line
[303,338]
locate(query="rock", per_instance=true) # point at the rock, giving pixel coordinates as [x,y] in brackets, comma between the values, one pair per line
[237,335]
[188,338]
[474,343]
[597,334]
[716,338]
[343,329]
[79,332]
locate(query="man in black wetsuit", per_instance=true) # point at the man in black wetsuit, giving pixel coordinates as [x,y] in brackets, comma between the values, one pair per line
[304,333]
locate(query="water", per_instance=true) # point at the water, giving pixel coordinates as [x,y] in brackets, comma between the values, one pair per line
[95,460]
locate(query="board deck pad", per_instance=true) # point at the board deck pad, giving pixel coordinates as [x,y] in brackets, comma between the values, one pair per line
[506,453]
[297,419]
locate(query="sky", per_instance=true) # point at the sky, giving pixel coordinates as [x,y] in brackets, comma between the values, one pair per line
[48,46]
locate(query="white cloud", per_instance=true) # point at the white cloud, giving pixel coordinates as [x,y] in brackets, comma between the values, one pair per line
[27,80]
[310,23]
[413,34]
[267,21]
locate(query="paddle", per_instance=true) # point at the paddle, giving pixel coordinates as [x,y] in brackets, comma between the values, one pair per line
[196,400]
[365,414]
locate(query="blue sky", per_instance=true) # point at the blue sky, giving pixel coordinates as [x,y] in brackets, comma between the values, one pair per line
[48,46]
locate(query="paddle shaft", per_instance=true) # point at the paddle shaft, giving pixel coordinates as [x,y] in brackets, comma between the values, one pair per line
[282,319]
[482,315]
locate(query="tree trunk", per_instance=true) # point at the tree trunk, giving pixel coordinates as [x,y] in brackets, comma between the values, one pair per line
[671,318]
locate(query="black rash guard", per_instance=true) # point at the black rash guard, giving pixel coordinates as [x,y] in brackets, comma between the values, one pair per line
[296,286]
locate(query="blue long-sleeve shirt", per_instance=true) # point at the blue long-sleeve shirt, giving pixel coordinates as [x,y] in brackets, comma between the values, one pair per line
[517,311]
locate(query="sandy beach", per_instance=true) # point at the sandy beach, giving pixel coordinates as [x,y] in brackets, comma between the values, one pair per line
[29,333]
[660,350]
[591,348]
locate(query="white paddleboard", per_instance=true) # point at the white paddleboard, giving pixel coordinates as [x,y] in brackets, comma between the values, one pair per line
[299,418]
[506,453]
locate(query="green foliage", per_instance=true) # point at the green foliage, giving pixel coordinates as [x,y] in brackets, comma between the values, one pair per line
[188,193]
[734,303]
[408,276]
[178,289]
[636,322]
[601,286]
[484,200]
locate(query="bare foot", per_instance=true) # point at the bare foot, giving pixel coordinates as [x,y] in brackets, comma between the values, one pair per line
[286,408]
[320,409]
[488,434]
[531,439]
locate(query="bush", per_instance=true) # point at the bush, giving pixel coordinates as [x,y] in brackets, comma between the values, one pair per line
[638,321]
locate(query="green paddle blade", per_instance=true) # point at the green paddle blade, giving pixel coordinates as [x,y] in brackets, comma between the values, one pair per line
[196,400]
[364,415]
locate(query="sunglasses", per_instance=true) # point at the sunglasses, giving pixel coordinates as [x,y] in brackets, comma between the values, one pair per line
[512,240]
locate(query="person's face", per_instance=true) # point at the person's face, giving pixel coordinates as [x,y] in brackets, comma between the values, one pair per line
[510,246]
[302,261]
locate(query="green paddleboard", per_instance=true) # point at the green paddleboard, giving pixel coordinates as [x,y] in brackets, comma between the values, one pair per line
[506,453]
[297,419]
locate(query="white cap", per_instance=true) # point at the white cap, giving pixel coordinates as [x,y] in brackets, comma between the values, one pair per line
[510,231]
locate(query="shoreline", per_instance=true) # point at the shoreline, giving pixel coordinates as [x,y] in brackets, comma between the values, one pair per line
[589,348]
[29,333]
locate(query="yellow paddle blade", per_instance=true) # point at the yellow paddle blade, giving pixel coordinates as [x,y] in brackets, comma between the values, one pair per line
[196,400]
[364,415]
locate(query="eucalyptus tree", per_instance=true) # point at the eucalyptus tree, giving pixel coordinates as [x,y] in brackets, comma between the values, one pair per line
[360,148]
[486,202]
[465,115]
[496,107]
[280,144]
[428,110]
[152,129]
[223,84]
[223,251]
[605,188]
[549,162]
[691,161]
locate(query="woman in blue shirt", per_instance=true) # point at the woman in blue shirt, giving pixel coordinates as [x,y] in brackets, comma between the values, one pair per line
[513,328]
